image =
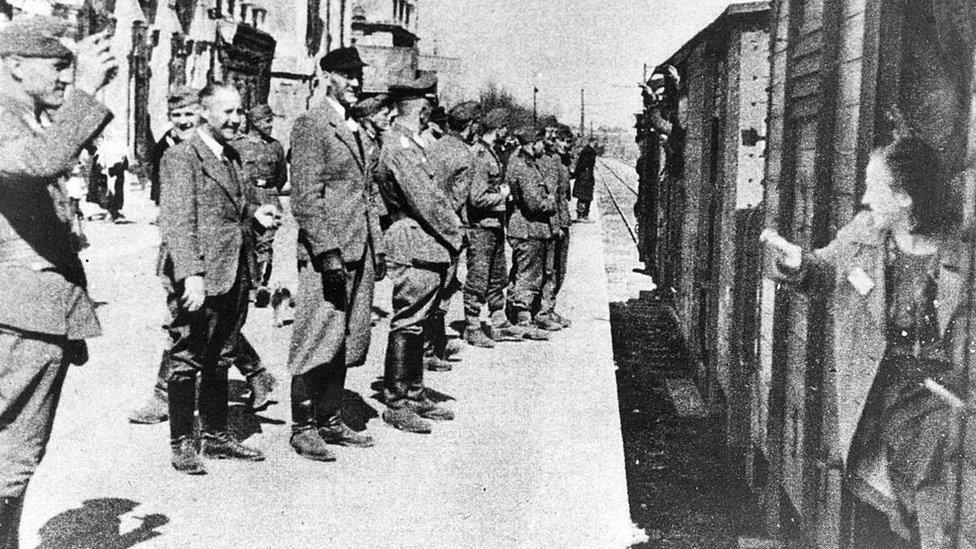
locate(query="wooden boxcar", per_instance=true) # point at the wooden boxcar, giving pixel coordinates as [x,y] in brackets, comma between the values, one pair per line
[704,217]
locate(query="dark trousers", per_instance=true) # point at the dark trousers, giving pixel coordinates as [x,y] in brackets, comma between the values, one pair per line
[331,333]
[416,295]
[529,263]
[197,342]
[557,254]
[582,208]
[487,273]
[32,372]
[240,355]
[264,250]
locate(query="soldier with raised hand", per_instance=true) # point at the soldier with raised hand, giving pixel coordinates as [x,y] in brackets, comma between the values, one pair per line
[207,212]
[422,241]
[452,161]
[45,311]
[340,255]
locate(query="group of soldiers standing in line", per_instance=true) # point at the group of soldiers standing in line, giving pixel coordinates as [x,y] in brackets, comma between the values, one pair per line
[375,192]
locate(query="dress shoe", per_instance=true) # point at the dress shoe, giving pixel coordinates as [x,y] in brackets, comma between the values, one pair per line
[407,420]
[478,338]
[437,364]
[155,410]
[261,384]
[428,409]
[262,297]
[186,459]
[337,432]
[223,445]
[309,444]
[547,323]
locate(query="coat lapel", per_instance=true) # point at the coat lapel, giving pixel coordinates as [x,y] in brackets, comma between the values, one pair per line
[219,172]
[344,135]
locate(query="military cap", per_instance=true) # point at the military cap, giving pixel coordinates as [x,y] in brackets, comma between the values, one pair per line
[182,97]
[495,118]
[259,112]
[463,113]
[342,60]
[423,85]
[35,36]
[371,105]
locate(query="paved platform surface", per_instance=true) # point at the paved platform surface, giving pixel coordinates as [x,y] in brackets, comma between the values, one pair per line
[534,459]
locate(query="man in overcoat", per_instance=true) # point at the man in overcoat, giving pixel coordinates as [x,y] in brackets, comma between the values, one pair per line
[207,209]
[423,240]
[45,311]
[584,181]
[340,254]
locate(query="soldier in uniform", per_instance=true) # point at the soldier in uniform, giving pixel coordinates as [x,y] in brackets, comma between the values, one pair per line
[423,240]
[452,162]
[530,229]
[557,143]
[340,255]
[583,177]
[207,209]
[185,115]
[45,311]
[264,163]
[485,212]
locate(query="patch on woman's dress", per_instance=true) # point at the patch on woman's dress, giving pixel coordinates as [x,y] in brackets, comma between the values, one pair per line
[860,280]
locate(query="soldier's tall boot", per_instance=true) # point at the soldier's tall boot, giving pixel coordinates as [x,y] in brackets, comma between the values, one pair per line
[182,389]
[216,441]
[402,349]
[475,335]
[10,509]
[305,437]
[435,354]
[417,399]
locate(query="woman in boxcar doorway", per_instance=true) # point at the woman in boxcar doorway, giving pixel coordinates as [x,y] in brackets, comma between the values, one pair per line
[892,274]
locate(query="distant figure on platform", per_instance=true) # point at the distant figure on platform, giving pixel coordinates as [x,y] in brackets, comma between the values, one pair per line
[207,209]
[340,256]
[894,278]
[584,181]
[423,241]
[264,163]
[45,311]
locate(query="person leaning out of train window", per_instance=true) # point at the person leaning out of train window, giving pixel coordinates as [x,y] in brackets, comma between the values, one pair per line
[893,276]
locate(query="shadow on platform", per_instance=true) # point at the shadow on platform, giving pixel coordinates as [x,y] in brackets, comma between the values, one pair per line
[96,525]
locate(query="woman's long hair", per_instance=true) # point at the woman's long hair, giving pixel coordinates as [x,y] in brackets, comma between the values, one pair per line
[918,172]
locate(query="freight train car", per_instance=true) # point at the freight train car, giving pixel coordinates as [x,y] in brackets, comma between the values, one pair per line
[702,184]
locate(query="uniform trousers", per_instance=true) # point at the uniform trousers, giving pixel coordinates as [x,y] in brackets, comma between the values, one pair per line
[487,274]
[529,267]
[32,371]
[557,254]
[416,295]
[197,341]
[240,354]
[331,332]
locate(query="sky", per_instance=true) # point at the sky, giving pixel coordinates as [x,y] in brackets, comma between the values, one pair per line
[561,46]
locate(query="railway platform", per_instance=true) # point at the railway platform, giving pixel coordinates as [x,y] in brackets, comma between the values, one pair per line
[535,457]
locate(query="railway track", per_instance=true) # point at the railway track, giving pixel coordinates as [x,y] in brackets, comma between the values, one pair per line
[622,204]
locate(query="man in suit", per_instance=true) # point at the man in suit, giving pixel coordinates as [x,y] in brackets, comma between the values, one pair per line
[423,240]
[340,255]
[452,162]
[183,104]
[207,209]
[45,311]
[530,229]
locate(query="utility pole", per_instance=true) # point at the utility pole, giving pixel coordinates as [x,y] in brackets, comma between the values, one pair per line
[535,115]
[582,111]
